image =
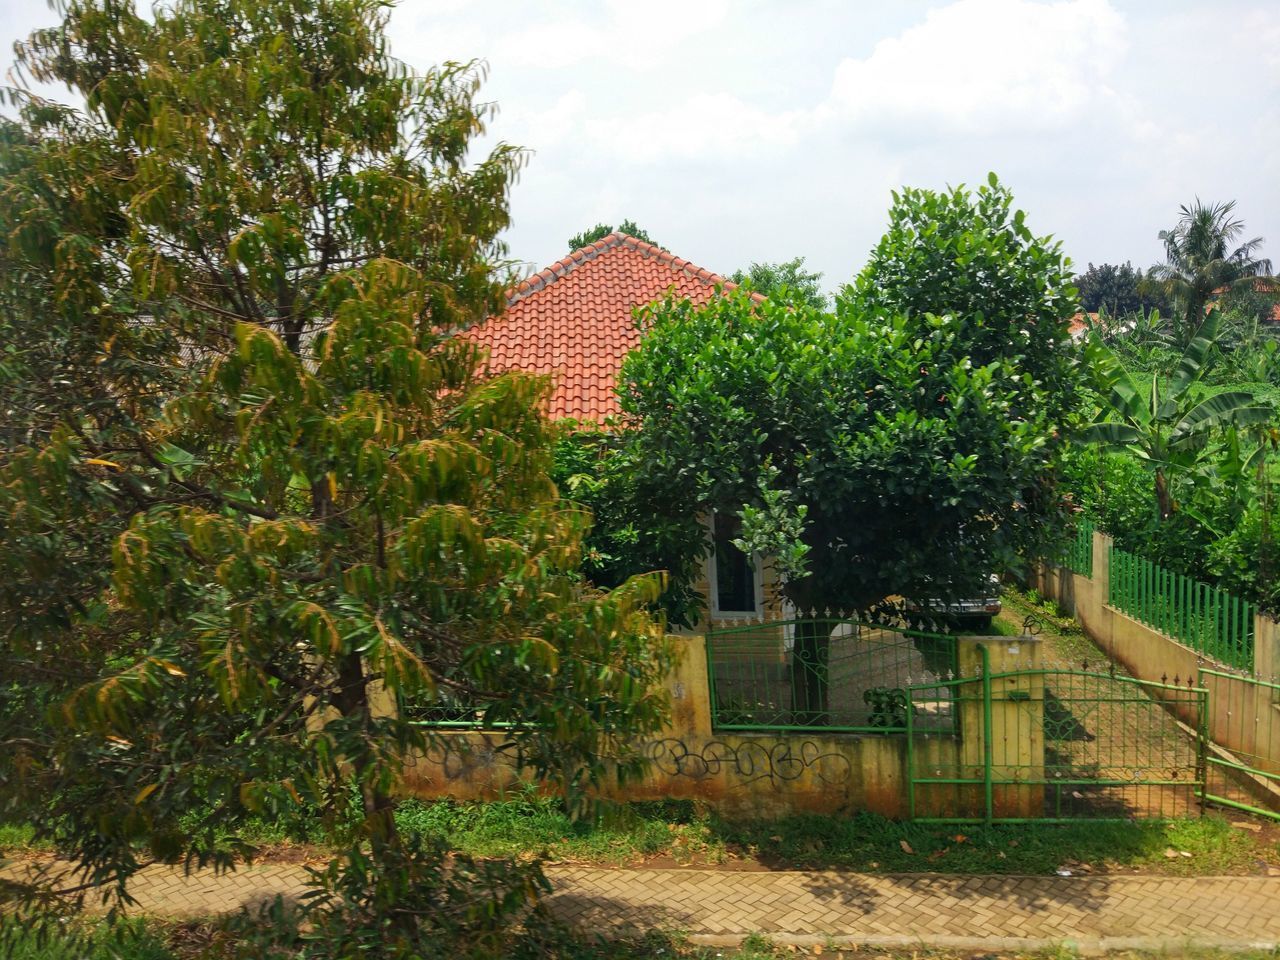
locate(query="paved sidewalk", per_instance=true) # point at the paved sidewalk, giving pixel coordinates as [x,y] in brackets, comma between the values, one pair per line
[1093,913]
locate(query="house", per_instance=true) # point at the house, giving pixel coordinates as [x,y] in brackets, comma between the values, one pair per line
[575,321]
[1079,325]
[765,720]
[1264,286]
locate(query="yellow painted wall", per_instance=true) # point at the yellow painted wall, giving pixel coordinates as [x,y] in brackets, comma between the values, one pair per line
[769,775]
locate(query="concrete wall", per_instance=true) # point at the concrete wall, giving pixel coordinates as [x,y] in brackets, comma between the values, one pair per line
[769,775]
[1243,717]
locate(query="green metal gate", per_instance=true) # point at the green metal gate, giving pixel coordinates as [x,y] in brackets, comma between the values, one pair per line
[1243,765]
[822,674]
[1057,744]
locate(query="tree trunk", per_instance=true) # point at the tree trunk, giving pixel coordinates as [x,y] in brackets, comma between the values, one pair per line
[809,681]
[1164,500]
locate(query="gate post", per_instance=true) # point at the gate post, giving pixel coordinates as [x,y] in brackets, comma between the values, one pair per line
[1101,567]
[1003,735]
[1266,648]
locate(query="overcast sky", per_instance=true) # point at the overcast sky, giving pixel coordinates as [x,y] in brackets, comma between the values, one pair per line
[740,130]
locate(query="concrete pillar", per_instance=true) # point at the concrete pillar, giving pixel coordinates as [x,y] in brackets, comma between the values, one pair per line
[1102,566]
[690,689]
[1266,647]
[1013,744]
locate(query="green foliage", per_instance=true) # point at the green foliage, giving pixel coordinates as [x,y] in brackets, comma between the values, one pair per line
[788,281]
[596,468]
[1216,478]
[1168,421]
[1200,260]
[1254,301]
[528,824]
[253,491]
[869,842]
[415,898]
[899,445]
[602,230]
[22,939]
[1118,290]
[1007,293]
[682,831]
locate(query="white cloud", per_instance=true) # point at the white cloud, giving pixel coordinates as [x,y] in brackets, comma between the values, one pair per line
[643,33]
[739,130]
[550,46]
[979,65]
[706,126]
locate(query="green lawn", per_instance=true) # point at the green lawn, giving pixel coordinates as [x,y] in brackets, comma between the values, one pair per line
[679,831]
[863,841]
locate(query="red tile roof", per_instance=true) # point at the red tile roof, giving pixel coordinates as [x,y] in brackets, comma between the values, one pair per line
[1260,285]
[573,320]
[1078,326]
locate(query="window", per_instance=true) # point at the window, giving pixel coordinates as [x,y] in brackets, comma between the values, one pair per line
[735,582]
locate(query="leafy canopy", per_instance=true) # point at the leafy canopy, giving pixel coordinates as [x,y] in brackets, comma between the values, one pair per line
[902,444]
[254,492]
[602,230]
[788,281]
[1203,255]
[1118,290]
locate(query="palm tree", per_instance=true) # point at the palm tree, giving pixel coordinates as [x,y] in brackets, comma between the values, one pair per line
[1168,420]
[1199,260]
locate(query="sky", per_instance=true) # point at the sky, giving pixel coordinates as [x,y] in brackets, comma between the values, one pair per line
[735,131]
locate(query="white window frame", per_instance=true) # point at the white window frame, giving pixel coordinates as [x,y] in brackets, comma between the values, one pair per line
[713,591]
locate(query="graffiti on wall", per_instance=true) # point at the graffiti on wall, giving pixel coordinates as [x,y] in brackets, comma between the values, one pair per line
[779,762]
[473,760]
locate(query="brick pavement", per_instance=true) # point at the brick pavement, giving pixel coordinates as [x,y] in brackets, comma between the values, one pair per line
[714,906]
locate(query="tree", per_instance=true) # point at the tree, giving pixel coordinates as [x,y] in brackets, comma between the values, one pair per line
[1200,259]
[1257,302]
[788,281]
[596,468]
[1168,422]
[276,496]
[900,445]
[1118,290]
[973,259]
[602,230]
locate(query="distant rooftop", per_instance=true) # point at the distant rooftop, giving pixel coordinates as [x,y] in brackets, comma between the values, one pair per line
[573,320]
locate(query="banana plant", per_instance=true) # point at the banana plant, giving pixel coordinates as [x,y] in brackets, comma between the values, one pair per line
[1169,420]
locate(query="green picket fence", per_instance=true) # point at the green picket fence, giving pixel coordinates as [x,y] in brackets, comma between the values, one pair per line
[1080,552]
[1207,619]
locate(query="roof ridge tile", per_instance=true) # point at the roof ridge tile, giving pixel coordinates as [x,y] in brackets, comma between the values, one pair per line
[583,255]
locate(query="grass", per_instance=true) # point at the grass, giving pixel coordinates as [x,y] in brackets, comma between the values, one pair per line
[1065,639]
[530,826]
[533,826]
[869,843]
[134,939]
[16,836]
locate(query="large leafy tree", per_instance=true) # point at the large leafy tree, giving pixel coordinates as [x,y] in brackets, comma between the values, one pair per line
[903,444]
[1118,290]
[784,281]
[1203,254]
[602,230]
[253,493]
